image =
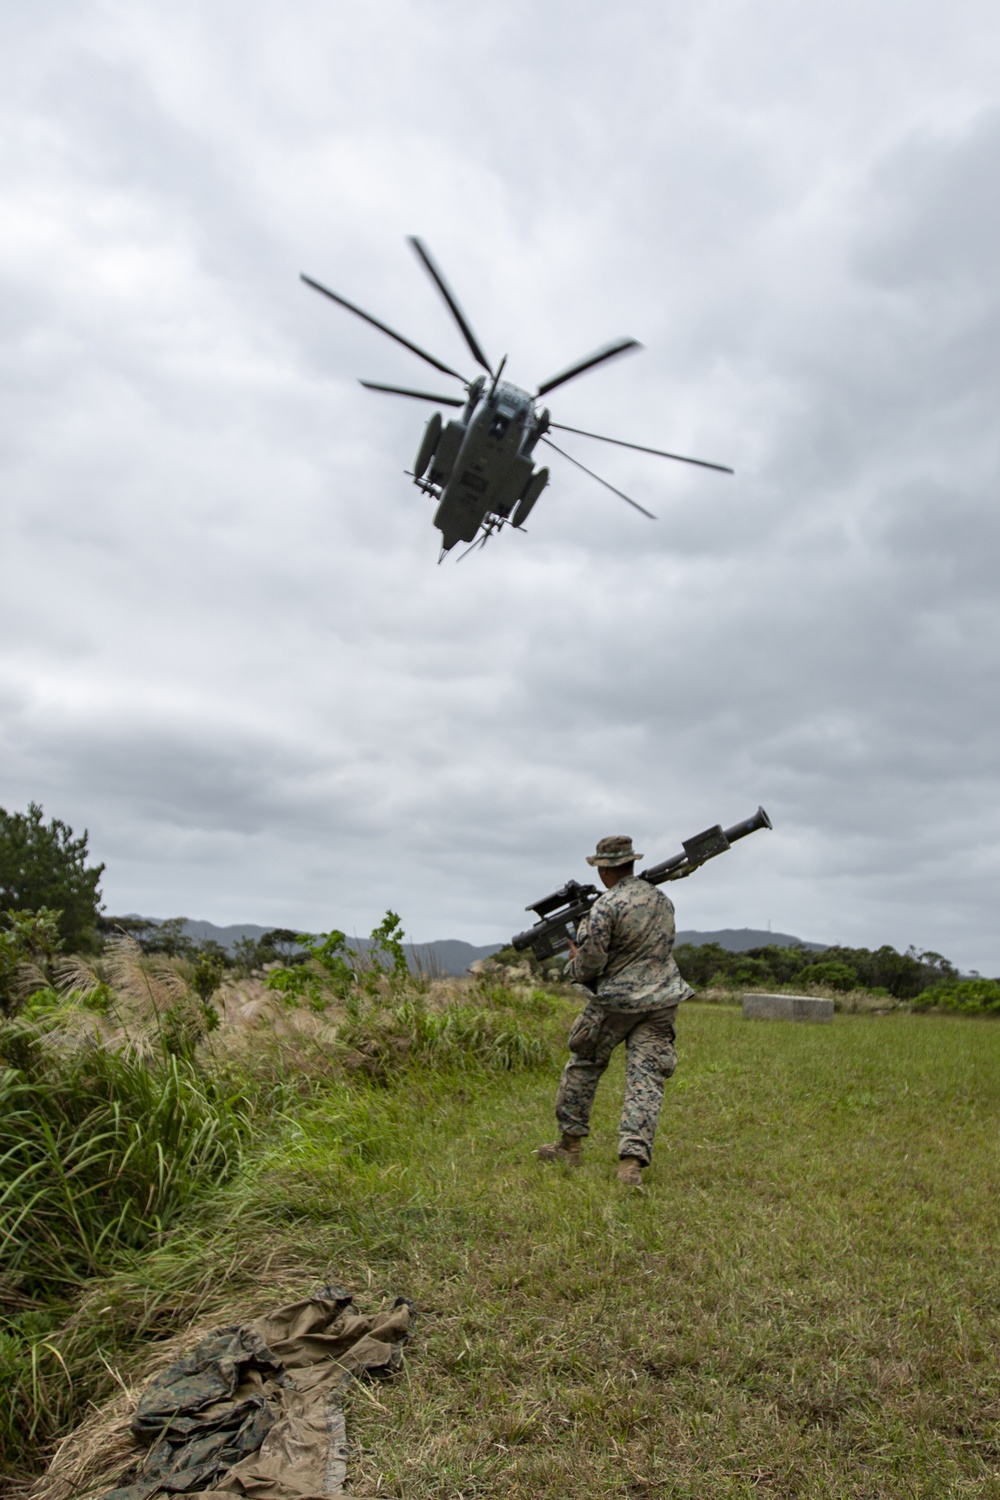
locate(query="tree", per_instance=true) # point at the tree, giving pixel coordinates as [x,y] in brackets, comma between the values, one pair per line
[42,864]
[279,945]
[168,937]
[133,927]
[283,943]
[209,968]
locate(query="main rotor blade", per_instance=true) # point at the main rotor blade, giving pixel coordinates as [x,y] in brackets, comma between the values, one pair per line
[597,358]
[449,297]
[401,390]
[660,453]
[384,327]
[605,483]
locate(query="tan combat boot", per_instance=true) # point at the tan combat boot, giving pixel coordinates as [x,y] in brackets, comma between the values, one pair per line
[567,1151]
[630,1171]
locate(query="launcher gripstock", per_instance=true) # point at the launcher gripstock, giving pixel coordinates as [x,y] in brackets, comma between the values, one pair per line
[559,913]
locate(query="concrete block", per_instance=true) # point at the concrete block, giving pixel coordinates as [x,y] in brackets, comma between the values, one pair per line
[786,1008]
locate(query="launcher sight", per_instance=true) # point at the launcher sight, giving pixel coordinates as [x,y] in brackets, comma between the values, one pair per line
[559,913]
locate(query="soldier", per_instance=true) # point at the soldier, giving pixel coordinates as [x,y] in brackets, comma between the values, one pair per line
[624,954]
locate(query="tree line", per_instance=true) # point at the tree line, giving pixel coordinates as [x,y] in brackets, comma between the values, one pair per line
[883,971]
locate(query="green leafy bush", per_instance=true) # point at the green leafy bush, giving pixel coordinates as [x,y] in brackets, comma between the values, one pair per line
[833,973]
[975,997]
[328,976]
[386,956]
[333,971]
[335,959]
[209,968]
[30,938]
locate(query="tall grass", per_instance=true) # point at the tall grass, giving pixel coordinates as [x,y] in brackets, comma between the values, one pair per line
[111,1128]
[99,1153]
[493,1029]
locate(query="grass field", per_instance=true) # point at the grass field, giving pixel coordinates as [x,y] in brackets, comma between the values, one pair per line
[805,1302]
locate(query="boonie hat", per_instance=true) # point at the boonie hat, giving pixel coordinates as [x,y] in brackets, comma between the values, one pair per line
[616,850]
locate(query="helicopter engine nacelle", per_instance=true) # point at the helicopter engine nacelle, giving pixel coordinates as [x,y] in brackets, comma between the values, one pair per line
[428,443]
[532,490]
[447,451]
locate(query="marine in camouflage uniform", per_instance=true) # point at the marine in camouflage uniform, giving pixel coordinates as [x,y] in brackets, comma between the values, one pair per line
[625,956]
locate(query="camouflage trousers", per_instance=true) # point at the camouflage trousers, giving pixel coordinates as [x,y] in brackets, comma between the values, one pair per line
[650,1059]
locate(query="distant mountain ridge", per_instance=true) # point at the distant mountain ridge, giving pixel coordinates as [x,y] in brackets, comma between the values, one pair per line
[739,939]
[453,956]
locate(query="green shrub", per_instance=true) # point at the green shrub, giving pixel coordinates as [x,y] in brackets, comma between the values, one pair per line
[836,975]
[334,971]
[386,956]
[301,985]
[209,968]
[969,996]
[744,971]
[29,938]
[326,975]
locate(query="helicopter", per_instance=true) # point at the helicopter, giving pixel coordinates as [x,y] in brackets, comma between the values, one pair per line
[480,466]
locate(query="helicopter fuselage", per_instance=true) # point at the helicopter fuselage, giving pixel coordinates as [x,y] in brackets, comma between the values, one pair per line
[480,464]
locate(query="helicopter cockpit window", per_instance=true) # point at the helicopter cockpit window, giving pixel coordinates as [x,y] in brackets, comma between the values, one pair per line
[502,419]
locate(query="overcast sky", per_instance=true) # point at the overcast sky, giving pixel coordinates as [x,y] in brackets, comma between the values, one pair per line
[227,649]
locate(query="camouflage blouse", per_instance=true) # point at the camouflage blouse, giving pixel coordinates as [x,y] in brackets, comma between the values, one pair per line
[625,950]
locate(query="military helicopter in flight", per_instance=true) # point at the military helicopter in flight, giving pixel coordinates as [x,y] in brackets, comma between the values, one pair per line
[480,466]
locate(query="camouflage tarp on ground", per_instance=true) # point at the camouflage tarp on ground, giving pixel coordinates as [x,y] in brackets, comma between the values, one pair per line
[257,1410]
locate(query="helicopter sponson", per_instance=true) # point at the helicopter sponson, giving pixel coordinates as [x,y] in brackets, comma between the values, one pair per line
[480,465]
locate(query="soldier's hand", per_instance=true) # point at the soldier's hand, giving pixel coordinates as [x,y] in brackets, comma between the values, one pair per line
[572,948]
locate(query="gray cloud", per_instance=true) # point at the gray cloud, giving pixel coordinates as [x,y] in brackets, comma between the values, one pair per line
[228,651]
